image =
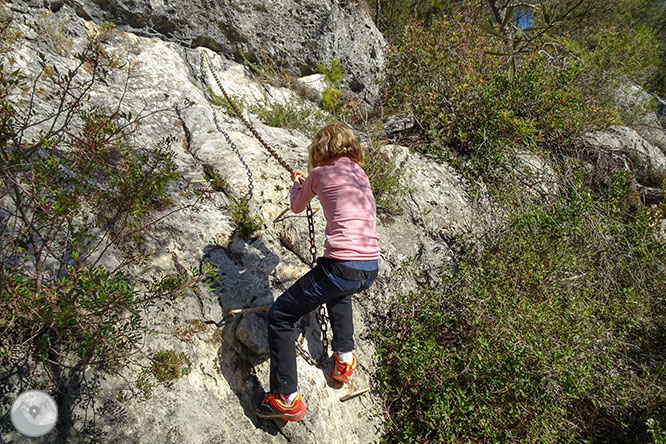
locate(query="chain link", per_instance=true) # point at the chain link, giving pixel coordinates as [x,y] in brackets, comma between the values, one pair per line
[307,356]
[311,235]
[322,318]
[321,314]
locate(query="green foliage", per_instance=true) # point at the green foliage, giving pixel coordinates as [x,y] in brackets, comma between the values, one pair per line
[619,39]
[550,332]
[331,100]
[474,107]
[240,213]
[391,16]
[239,207]
[214,178]
[658,435]
[384,178]
[169,365]
[73,188]
[293,113]
[633,52]
[107,26]
[89,310]
[332,72]
[223,102]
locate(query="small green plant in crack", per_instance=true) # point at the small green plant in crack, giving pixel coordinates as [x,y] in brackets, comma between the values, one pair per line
[294,113]
[226,104]
[214,178]
[240,213]
[169,365]
[331,96]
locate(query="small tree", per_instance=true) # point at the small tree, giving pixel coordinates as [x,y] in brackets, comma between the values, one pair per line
[75,196]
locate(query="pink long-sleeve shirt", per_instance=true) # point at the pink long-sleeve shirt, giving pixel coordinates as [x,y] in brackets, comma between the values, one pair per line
[349,207]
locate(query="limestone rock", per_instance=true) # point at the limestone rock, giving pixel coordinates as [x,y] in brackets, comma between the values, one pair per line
[644,159]
[648,114]
[398,123]
[293,34]
[537,175]
[314,86]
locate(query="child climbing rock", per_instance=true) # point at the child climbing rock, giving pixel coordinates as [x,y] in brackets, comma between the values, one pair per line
[349,265]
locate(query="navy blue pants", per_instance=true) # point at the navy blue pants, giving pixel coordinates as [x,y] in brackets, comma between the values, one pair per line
[330,282]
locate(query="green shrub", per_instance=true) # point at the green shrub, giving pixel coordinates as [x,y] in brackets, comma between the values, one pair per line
[294,113]
[391,16]
[468,104]
[332,72]
[552,332]
[331,100]
[73,191]
[169,365]
[240,213]
[384,178]
[223,102]
[629,50]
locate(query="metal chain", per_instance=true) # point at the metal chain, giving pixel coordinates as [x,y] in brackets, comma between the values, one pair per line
[247,124]
[250,188]
[307,357]
[321,316]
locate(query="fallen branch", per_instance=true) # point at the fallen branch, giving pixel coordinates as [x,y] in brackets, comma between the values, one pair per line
[249,310]
[354,394]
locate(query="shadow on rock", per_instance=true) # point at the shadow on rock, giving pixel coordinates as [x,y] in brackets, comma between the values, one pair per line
[246,270]
[244,274]
[74,387]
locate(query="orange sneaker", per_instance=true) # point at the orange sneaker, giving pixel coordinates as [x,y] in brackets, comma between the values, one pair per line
[274,407]
[343,370]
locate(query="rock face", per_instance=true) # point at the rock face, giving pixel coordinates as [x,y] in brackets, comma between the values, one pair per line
[295,34]
[648,114]
[228,357]
[647,161]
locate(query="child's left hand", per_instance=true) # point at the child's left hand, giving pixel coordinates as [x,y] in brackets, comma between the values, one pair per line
[297,177]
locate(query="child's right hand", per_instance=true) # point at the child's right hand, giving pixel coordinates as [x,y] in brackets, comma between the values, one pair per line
[298,177]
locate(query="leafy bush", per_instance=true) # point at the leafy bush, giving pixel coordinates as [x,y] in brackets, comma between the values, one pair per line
[384,178]
[630,50]
[332,71]
[74,189]
[469,105]
[331,100]
[619,39]
[169,365]
[240,213]
[551,332]
[391,16]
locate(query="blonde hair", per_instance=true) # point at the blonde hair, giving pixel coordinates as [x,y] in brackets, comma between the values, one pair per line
[331,142]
